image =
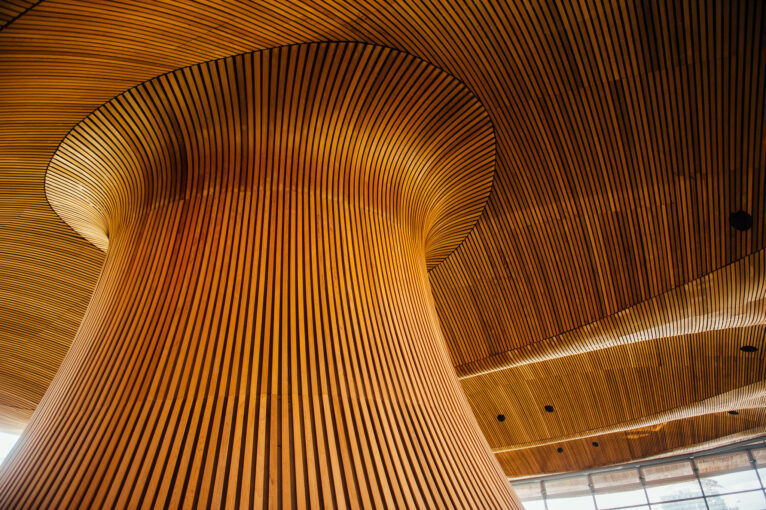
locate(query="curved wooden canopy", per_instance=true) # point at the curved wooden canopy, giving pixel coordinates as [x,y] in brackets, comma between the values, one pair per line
[604,277]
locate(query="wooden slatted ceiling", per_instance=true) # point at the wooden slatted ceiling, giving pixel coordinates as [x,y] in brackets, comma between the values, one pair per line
[722,378]
[627,133]
[733,296]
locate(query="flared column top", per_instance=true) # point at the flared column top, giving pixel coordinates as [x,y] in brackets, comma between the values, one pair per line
[354,121]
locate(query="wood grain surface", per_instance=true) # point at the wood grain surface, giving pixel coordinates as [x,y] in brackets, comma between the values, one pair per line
[262,333]
[603,277]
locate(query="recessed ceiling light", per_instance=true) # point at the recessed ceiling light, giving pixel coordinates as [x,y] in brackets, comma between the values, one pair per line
[741,221]
[560,450]
[500,417]
[733,412]
[748,348]
[549,408]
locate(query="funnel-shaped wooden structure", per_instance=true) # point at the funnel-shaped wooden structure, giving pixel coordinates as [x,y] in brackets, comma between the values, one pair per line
[263,331]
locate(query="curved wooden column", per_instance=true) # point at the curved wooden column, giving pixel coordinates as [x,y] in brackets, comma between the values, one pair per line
[263,332]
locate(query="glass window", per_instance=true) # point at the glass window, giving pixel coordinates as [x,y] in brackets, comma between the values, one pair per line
[571,503]
[760,456]
[533,504]
[739,501]
[571,493]
[671,491]
[528,490]
[615,489]
[675,480]
[760,462]
[726,481]
[688,504]
[730,472]
[6,443]
[569,486]
[531,494]
[610,500]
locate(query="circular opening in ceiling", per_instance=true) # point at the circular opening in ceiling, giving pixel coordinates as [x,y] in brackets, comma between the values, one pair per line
[748,348]
[500,417]
[741,221]
[549,408]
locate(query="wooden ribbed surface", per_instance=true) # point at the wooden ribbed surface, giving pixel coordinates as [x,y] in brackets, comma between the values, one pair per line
[626,132]
[427,144]
[729,298]
[262,333]
[12,9]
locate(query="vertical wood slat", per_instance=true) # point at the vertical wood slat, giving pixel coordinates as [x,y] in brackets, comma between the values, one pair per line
[262,334]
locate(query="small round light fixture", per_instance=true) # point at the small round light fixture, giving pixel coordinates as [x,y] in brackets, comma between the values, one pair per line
[734,413]
[560,449]
[595,444]
[741,221]
[500,417]
[748,348]
[548,408]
